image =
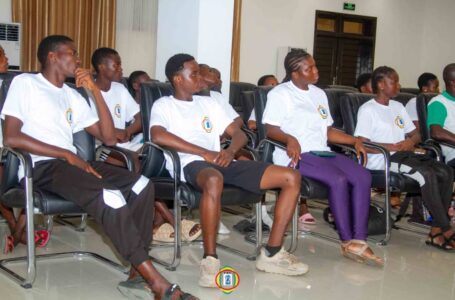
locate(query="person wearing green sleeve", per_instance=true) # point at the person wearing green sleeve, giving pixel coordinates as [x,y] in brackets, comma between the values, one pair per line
[441,115]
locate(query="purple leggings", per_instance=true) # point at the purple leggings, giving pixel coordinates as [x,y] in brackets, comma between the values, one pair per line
[349,191]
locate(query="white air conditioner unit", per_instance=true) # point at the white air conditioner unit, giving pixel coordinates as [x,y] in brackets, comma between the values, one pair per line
[282,52]
[10,39]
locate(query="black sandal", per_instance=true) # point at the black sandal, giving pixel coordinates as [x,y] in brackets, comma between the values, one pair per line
[171,290]
[445,245]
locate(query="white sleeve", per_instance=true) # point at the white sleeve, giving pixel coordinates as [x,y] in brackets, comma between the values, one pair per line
[252,116]
[408,124]
[83,115]
[411,108]
[230,111]
[15,103]
[275,110]
[158,115]
[364,127]
[222,119]
[329,114]
[132,108]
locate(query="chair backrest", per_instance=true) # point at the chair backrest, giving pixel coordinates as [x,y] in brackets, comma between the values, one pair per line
[421,104]
[235,95]
[404,98]
[260,101]
[350,107]
[247,104]
[334,96]
[414,91]
[153,164]
[342,87]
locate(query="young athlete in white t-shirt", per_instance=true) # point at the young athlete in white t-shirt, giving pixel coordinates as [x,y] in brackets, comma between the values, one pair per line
[386,122]
[297,114]
[428,83]
[123,108]
[192,126]
[41,114]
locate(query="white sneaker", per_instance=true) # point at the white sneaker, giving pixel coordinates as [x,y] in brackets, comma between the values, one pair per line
[222,229]
[281,263]
[210,266]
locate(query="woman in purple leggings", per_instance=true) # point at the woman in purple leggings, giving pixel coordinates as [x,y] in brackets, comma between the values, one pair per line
[297,114]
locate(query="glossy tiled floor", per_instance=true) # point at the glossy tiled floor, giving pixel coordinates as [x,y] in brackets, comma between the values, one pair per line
[412,271]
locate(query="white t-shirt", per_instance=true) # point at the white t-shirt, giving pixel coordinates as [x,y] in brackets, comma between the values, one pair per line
[48,113]
[200,122]
[382,124]
[225,105]
[123,108]
[411,108]
[302,114]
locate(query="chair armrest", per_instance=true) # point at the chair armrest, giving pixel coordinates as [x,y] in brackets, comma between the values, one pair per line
[347,148]
[251,135]
[272,142]
[25,158]
[174,157]
[127,155]
[430,146]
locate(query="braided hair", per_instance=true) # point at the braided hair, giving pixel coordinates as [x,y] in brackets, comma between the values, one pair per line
[379,74]
[292,61]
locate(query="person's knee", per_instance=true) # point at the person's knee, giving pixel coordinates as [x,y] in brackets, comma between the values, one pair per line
[211,182]
[363,177]
[292,178]
[339,182]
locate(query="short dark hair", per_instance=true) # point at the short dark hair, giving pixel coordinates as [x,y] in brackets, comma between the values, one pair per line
[133,77]
[379,74]
[424,79]
[362,80]
[100,55]
[292,61]
[50,44]
[175,65]
[262,80]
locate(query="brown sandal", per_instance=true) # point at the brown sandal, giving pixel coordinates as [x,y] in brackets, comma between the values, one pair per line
[360,254]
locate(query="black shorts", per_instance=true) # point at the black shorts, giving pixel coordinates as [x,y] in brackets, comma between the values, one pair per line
[245,174]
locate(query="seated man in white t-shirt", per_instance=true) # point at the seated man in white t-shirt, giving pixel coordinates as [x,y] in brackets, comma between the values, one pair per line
[41,115]
[124,110]
[428,83]
[192,125]
[386,122]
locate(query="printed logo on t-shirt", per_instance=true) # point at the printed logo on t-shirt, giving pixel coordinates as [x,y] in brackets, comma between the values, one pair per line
[117,111]
[207,124]
[399,121]
[323,112]
[69,116]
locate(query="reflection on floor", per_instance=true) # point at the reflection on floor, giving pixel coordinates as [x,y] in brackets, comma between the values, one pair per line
[412,270]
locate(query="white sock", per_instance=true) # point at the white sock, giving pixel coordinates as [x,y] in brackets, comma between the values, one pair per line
[265,217]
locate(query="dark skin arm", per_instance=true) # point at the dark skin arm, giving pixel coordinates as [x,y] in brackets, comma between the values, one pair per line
[293,148]
[124,135]
[440,134]
[104,129]
[223,158]
[339,137]
[408,144]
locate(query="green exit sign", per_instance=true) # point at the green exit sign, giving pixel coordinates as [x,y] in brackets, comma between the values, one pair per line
[348,6]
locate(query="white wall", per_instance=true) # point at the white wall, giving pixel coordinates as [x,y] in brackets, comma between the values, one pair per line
[5,11]
[438,48]
[136,35]
[202,28]
[270,24]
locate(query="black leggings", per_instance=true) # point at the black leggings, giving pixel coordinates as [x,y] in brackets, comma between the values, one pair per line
[129,227]
[436,183]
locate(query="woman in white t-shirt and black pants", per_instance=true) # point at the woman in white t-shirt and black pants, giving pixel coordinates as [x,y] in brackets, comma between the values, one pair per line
[386,122]
[297,114]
